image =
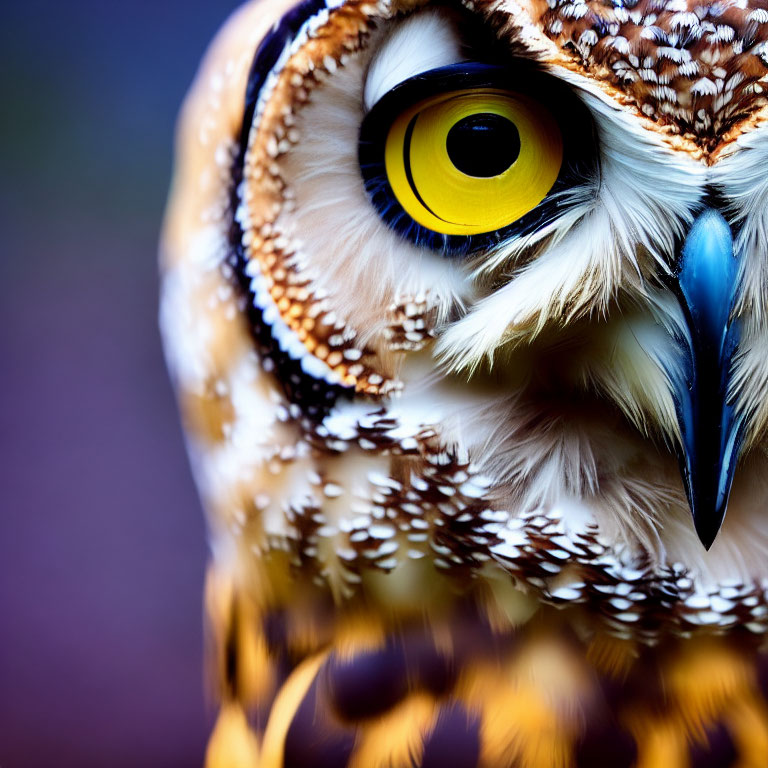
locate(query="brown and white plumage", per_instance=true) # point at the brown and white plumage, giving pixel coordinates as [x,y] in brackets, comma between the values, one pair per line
[447,521]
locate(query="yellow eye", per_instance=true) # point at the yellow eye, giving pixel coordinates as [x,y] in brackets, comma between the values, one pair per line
[472,161]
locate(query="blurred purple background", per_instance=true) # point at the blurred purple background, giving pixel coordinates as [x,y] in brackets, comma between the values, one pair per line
[102,542]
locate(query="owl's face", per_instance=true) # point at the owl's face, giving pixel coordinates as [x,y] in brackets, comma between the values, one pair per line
[482,285]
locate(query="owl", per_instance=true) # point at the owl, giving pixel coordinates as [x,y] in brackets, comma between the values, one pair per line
[466,306]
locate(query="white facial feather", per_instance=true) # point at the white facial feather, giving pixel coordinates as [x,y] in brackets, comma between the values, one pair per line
[645,195]
[422,42]
[545,453]
[634,361]
[749,384]
[349,253]
[742,179]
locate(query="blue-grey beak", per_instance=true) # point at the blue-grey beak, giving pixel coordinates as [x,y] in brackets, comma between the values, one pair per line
[710,427]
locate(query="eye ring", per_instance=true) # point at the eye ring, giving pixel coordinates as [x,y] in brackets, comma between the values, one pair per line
[401,204]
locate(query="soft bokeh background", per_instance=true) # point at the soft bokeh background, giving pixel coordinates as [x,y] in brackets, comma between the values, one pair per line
[102,542]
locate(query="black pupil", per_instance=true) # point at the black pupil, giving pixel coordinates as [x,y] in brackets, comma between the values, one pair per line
[483,145]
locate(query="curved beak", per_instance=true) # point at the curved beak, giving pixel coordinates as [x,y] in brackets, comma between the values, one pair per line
[711,430]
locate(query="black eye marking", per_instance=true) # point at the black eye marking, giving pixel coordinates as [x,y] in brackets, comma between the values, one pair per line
[483,145]
[407,165]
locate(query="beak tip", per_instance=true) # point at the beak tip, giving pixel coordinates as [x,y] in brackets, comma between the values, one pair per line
[708,525]
[707,539]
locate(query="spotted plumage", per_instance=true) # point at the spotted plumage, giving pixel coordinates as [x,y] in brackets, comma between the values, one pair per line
[465,480]
[695,68]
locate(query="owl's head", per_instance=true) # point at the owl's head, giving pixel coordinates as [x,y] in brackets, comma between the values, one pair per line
[480,283]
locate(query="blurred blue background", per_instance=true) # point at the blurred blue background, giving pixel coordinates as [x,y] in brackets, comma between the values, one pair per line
[102,542]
